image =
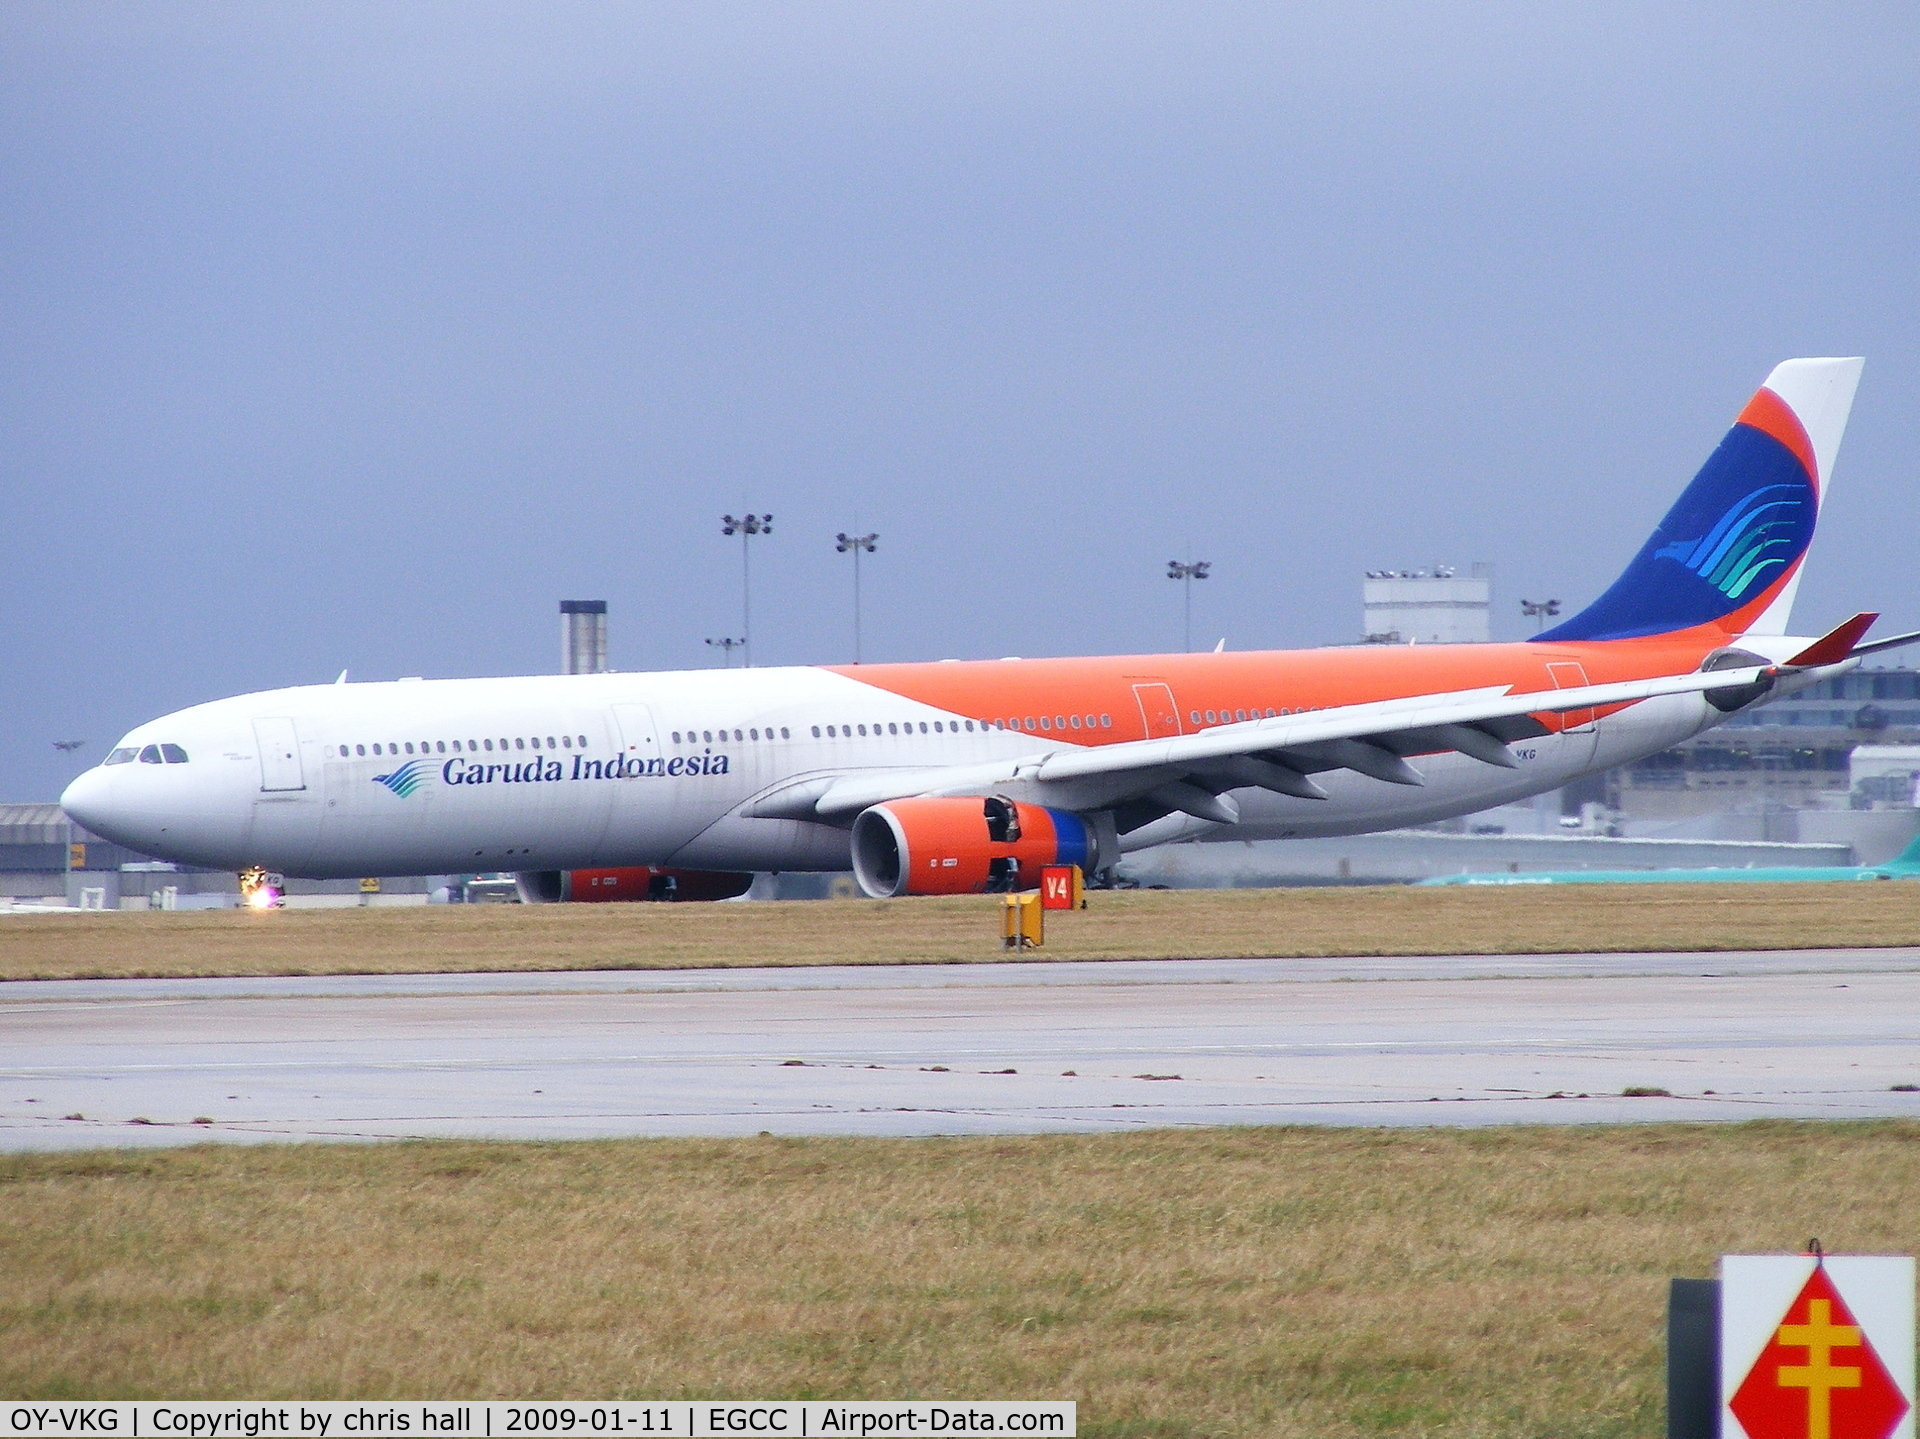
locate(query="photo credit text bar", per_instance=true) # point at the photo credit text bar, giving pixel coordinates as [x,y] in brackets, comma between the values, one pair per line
[503,1419]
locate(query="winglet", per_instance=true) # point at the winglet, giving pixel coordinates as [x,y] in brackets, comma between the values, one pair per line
[1835,645]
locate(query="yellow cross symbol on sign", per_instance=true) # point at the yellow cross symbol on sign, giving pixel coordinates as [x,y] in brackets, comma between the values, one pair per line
[1819,1376]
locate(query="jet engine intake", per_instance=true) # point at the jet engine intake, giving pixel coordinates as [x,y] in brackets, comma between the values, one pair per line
[643,882]
[965,845]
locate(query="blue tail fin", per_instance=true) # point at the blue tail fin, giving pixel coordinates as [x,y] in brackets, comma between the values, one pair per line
[1729,552]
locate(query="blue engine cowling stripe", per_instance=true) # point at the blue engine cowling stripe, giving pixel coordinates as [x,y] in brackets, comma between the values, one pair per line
[1071,843]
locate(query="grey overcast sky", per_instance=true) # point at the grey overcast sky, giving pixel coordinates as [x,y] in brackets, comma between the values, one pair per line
[357,336]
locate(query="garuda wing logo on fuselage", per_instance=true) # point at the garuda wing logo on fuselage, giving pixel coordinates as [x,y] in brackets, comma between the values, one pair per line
[405,780]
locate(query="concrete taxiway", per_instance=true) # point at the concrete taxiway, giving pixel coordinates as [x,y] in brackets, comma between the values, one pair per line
[911,1050]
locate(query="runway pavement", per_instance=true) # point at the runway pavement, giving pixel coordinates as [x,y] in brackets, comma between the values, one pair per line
[961,1049]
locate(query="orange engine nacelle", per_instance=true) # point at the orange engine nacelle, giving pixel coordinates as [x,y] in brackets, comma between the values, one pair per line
[965,846]
[644,882]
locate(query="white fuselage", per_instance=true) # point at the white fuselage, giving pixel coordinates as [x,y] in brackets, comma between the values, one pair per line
[576,772]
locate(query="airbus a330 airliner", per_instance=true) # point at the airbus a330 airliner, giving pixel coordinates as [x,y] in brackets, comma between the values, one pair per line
[959,777]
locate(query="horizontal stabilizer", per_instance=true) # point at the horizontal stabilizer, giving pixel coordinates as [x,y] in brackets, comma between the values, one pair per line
[1836,644]
[1891,642]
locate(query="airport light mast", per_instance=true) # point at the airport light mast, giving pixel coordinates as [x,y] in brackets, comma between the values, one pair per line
[1187,571]
[727,646]
[1539,612]
[854,544]
[747,526]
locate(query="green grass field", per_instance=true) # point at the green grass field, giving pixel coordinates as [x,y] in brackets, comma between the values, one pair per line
[1248,1282]
[1131,925]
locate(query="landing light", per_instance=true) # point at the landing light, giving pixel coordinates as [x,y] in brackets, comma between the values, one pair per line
[261,890]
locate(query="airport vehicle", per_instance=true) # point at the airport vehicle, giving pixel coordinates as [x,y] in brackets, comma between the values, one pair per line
[1905,865]
[957,777]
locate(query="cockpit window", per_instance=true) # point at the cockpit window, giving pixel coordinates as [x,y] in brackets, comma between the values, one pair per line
[151,755]
[124,755]
[173,754]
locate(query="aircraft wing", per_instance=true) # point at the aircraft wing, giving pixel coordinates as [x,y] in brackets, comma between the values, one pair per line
[1193,772]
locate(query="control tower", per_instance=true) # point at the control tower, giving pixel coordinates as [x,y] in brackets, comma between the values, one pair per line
[583,637]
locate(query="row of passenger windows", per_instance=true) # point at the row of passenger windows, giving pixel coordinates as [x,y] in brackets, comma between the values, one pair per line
[848,731]
[150,754]
[1054,722]
[1238,716]
[895,727]
[474,746]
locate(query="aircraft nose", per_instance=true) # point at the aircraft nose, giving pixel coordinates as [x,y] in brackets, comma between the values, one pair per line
[88,801]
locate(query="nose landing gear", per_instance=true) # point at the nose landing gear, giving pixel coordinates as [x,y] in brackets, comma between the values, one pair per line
[260,889]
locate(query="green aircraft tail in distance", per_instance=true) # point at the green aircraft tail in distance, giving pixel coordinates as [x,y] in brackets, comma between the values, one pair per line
[1905,865]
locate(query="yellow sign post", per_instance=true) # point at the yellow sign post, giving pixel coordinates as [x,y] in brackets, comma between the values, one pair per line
[1022,922]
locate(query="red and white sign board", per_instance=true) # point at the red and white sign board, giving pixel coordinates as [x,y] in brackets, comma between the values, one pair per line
[1816,1349]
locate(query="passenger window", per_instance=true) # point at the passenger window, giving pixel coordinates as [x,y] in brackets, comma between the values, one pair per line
[785,735]
[1106,721]
[409,746]
[583,741]
[549,741]
[440,746]
[736,734]
[173,754]
[344,752]
[519,744]
[1045,723]
[126,753]
[969,726]
[753,734]
[566,741]
[489,744]
[676,736]
[707,736]
[361,750]
[376,749]
[893,729]
[1074,720]
[1240,714]
[151,755]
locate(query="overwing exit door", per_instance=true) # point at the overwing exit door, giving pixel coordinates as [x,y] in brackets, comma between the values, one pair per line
[1159,716]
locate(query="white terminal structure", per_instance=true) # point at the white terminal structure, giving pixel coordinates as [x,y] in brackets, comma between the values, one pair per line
[1434,606]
